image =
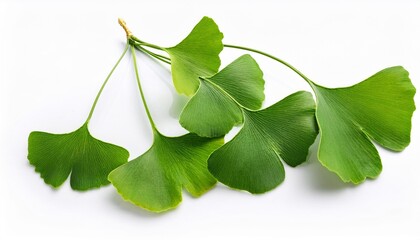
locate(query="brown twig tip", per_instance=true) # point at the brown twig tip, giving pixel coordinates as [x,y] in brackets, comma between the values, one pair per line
[124,26]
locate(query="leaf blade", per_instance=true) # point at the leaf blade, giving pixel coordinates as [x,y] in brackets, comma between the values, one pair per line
[216,106]
[210,112]
[252,160]
[363,113]
[243,80]
[196,56]
[154,180]
[87,159]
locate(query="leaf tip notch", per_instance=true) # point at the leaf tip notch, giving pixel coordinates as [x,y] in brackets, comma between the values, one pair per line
[251,161]
[377,109]
[354,174]
[154,180]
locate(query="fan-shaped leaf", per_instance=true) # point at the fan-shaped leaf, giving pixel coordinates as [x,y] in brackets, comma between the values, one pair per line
[155,179]
[196,56]
[214,109]
[89,160]
[251,160]
[379,109]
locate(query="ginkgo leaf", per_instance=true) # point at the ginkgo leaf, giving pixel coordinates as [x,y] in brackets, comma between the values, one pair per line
[196,56]
[89,160]
[251,161]
[155,179]
[379,109]
[214,109]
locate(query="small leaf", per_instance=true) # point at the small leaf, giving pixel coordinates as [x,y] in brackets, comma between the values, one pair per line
[251,160]
[379,108]
[214,109]
[211,112]
[89,160]
[196,56]
[155,179]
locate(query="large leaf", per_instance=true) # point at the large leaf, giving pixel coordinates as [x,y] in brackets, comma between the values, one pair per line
[89,160]
[251,160]
[155,179]
[216,106]
[196,56]
[379,109]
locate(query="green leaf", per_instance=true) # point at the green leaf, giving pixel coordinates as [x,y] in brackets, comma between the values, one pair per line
[155,179]
[216,106]
[251,160]
[379,108]
[88,159]
[196,56]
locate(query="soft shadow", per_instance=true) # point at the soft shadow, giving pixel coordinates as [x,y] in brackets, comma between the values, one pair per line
[224,189]
[318,177]
[164,74]
[135,210]
[178,103]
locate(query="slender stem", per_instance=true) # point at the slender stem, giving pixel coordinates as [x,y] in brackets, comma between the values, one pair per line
[105,82]
[151,45]
[134,38]
[156,54]
[274,58]
[149,116]
[152,54]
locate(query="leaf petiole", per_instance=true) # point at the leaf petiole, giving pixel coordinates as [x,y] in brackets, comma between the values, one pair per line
[105,82]
[154,55]
[225,93]
[274,58]
[149,116]
[163,58]
[150,45]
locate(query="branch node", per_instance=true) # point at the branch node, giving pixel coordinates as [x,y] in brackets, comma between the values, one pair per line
[124,26]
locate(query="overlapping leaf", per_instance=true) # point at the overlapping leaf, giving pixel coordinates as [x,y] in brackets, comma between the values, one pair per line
[251,160]
[155,179]
[379,109]
[88,160]
[214,109]
[196,56]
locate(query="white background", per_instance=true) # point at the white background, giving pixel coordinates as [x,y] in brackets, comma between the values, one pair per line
[54,56]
